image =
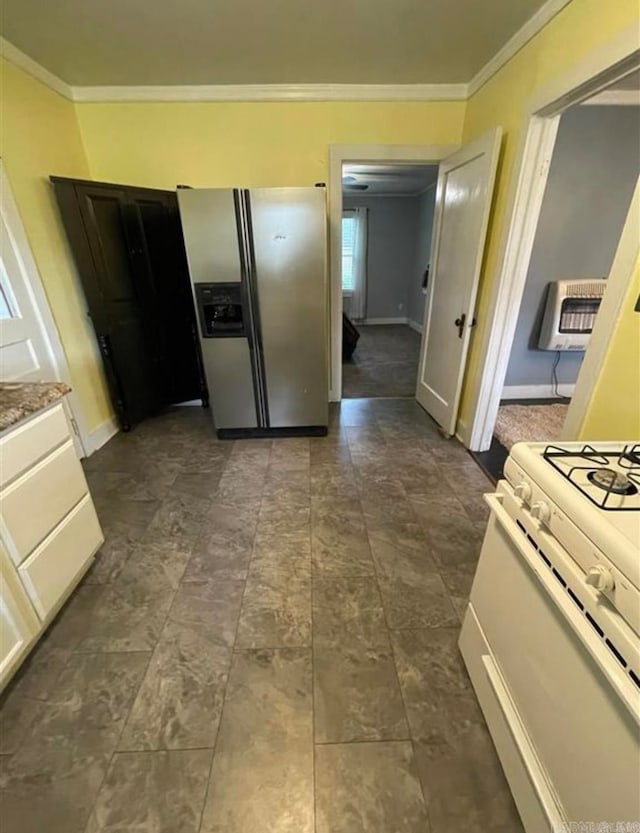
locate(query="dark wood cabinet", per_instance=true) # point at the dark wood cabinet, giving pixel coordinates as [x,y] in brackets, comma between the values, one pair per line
[128,247]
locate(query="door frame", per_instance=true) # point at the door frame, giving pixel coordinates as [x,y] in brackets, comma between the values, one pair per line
[339,155]
[598,70]
[42,309]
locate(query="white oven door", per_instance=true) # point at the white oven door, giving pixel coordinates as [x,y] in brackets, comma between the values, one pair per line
[553,678]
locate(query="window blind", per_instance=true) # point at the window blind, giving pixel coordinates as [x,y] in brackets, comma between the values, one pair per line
[348,253]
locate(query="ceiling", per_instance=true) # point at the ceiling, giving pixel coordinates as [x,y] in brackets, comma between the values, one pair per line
[168,42]
[398,179]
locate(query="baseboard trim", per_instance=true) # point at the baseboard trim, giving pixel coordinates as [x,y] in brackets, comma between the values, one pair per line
[102,434]
[415,326]
[535,391]
[401,320]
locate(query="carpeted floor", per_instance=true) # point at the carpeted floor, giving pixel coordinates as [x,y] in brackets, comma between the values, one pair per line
[385,362]
[530,423]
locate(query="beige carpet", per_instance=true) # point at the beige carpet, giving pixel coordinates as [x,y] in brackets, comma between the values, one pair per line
[529,423]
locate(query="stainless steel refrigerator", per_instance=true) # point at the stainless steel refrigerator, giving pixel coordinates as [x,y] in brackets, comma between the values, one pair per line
[257,260]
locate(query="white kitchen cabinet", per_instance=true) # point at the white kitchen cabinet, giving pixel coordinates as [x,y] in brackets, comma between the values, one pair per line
[53,566]
[19,624]
[49,530]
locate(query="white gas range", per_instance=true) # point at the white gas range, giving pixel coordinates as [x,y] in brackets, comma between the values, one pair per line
[551,635]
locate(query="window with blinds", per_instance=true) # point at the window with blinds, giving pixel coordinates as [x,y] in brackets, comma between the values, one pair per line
[348,252]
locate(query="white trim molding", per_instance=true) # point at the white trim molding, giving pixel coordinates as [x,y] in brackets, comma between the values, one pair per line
[398,320]
[233,92]
[600,68]
[537,391]
[338,155]
[276,92]
[40,303]
[621,273]
[20,59]
[290,92]
[102,434]
[615,98]
[515,43]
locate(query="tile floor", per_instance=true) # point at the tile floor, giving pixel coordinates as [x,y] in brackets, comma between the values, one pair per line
[266,643]
[385,362]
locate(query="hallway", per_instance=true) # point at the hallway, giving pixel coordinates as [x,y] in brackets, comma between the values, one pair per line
[385,362]
[267,642]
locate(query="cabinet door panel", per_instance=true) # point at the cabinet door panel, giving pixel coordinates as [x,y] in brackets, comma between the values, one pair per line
[18,622]
[52,487]
[96,219]
[127,243]
[174,316]
[55,565]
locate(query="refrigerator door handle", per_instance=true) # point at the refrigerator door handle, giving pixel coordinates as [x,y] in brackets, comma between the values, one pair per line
[247,259]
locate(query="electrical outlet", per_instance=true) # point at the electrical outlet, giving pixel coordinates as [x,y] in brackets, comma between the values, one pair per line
[400,307]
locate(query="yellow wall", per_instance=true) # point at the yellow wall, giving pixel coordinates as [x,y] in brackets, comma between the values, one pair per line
[249,143]
[614,410]
[579,28]
[39,136]
[252,144]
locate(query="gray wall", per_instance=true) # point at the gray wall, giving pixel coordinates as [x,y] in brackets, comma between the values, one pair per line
[593,171]
[393,240]
[426,204]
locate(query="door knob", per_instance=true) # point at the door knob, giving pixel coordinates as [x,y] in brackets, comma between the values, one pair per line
[459,322]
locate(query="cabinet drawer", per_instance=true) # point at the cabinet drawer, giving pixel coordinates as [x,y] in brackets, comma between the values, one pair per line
[25,445]
[50,570]
[36,503]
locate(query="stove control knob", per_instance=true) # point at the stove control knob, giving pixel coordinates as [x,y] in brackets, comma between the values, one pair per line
[600,577]
[541,511]
[523,491]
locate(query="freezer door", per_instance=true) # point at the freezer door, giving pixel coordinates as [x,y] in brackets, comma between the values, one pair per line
[289,249]
[216,254]
[210,234]
[227,363]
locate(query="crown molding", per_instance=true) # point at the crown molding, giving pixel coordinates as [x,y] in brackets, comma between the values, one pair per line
[608,98]
[20,59]
[291,92]
[276,92]
[526,32]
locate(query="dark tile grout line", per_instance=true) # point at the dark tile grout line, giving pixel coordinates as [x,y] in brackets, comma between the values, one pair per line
[314,782]
[233,651]
[395,666]
[224,695]
[360,741]
[134,698]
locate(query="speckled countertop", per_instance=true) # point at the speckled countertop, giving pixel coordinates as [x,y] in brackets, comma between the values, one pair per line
[21,399]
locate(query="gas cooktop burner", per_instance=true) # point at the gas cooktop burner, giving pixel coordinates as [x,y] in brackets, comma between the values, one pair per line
[612,481]
[609,477]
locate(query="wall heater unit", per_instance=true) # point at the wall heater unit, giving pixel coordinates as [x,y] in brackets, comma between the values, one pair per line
[570,312]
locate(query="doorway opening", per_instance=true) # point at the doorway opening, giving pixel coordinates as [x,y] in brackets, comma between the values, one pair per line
[580,228]
[387,223]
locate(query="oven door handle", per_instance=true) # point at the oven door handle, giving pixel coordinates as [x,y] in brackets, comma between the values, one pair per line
[618,681]
[535,771]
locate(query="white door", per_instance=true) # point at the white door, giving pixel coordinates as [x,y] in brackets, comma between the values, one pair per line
[30,350]
[463,202]
[24,353]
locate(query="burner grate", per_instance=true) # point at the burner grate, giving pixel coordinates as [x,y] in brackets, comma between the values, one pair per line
[628,459]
